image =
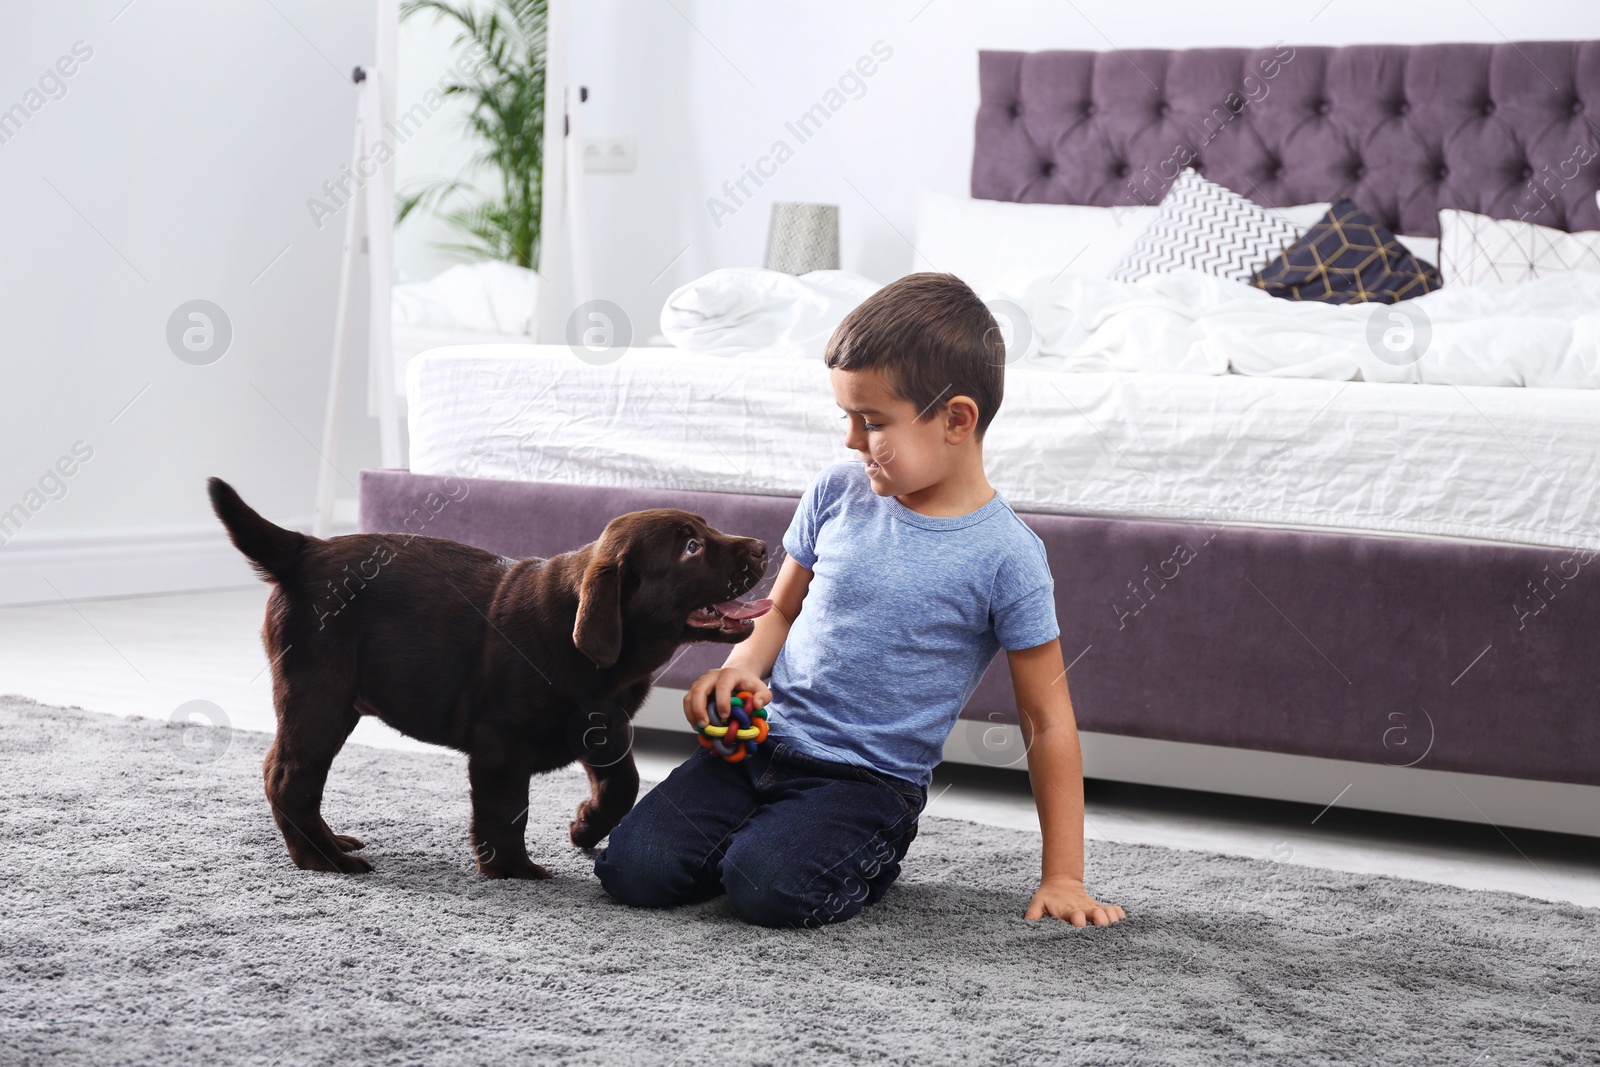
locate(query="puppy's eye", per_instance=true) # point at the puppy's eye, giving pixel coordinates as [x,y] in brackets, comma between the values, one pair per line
[692,547]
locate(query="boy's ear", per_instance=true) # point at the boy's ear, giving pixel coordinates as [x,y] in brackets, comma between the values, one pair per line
[960,418]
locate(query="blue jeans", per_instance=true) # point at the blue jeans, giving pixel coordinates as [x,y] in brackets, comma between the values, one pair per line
[793,840]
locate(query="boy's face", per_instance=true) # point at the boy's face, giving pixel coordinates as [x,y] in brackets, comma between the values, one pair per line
[902,456]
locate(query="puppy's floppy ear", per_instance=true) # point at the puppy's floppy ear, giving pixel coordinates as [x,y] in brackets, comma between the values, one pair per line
[598,632]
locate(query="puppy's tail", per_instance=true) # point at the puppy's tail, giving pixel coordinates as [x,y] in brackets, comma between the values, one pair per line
[273,552]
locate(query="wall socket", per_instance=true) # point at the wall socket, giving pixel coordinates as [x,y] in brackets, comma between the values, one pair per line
[609,153]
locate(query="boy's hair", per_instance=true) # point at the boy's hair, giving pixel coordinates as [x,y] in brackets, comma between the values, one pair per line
[932,338]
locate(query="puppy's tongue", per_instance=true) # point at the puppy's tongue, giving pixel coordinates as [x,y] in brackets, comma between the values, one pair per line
[743,609]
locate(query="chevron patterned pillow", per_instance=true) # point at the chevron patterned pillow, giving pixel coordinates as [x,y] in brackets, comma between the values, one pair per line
[1478,250]
[1207,228]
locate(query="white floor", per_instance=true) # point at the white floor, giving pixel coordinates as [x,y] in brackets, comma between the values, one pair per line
[150,655]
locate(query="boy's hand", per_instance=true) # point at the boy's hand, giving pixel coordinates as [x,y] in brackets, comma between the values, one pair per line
[722,683]
[1066,898]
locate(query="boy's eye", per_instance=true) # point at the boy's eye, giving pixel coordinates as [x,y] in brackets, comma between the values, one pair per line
[870,427]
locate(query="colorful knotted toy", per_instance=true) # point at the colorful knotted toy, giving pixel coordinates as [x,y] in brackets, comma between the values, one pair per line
[740,734]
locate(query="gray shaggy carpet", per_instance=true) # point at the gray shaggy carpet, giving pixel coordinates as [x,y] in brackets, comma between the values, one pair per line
[149,914]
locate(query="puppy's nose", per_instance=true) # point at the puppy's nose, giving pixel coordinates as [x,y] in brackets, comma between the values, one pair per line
[758,551]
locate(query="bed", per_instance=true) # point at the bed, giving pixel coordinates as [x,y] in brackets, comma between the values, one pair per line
[1377,593]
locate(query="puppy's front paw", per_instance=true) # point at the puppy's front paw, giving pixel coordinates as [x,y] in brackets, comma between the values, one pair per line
[591,824]
[586,834]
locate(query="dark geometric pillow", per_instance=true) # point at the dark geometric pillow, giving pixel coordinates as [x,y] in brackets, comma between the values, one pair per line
[1347,257]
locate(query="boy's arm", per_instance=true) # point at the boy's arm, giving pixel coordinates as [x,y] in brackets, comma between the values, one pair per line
[751,659]
[1055,767]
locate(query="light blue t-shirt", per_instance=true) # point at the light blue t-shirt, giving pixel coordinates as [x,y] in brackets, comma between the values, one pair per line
[902,617]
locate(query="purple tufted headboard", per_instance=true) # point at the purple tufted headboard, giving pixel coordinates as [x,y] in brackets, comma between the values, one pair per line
[1508,130]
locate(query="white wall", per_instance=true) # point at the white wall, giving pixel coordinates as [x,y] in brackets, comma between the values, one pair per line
[176,165]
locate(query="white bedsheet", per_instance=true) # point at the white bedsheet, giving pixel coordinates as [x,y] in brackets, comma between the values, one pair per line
[1498,464]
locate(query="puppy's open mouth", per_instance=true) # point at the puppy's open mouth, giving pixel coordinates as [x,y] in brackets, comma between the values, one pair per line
[729,616]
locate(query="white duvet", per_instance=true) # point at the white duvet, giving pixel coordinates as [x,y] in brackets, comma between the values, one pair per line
[489,297]
[1543,333]
[739,310]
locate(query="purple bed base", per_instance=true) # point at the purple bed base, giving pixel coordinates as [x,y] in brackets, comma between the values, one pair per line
[1445,655]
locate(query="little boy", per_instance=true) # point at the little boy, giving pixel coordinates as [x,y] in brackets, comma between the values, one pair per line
[906,573]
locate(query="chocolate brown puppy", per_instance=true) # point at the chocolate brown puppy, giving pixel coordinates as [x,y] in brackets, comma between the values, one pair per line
[525,665]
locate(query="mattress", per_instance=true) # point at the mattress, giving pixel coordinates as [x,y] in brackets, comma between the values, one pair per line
[1486,463]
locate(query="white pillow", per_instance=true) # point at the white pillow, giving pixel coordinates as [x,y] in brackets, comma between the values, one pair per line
[1478,250]
[1203,226]
[1301,216]
[1426,248]
[980,240]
